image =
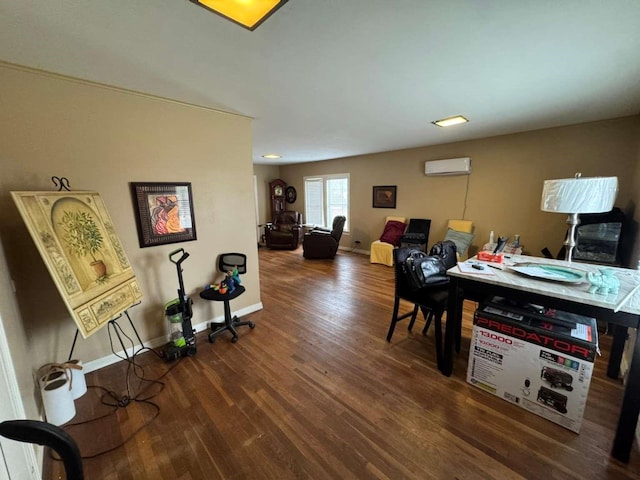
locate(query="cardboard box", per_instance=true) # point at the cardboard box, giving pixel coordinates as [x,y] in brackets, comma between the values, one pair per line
[541,366]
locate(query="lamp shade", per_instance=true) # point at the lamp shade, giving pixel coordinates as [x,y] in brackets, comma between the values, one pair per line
[579,195]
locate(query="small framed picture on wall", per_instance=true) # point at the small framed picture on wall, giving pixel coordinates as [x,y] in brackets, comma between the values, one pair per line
[164,213]
[384,196]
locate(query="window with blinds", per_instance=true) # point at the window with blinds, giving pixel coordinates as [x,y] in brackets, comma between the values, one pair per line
[326,196]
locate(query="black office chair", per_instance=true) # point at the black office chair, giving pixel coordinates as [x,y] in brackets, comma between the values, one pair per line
[431,300]
[417,234]
[43,433]
[227,262]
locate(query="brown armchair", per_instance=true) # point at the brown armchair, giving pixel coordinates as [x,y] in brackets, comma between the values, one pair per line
[322,243]
[285,232]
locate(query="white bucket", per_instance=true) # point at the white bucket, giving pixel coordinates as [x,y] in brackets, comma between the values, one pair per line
[73,370]
[50,374]
[58,400]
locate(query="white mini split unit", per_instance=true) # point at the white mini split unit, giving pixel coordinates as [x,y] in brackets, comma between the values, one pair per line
[450,166]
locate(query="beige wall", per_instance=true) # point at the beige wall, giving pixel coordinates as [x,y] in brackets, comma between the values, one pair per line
[102,139]
[265,174]
[503,191]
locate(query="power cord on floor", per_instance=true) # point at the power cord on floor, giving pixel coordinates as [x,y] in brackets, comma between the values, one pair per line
[112,399]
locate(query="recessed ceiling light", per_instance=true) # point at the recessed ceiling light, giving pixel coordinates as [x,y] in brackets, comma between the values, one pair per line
[271,155]
[447,122]
[248,13]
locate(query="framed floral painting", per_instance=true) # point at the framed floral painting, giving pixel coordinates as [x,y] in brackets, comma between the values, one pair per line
[79,245]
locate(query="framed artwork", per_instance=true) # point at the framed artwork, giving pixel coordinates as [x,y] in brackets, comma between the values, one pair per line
[384,196]
[164,213]
[78,243]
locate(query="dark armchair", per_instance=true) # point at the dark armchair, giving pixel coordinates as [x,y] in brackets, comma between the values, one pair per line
[323,243]
[285,232]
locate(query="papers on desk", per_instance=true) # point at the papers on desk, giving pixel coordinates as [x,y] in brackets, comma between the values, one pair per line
[468,267]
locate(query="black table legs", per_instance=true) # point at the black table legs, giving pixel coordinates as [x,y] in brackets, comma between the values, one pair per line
[630,410]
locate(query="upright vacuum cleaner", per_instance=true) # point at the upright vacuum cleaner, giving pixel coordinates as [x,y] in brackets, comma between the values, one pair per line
[182,338]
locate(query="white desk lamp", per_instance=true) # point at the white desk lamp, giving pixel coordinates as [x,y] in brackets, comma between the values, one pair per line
[575,196]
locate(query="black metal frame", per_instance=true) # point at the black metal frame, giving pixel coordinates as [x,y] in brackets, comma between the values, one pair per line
[113,325]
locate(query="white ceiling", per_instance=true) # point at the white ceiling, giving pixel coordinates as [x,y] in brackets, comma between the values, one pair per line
[333,78]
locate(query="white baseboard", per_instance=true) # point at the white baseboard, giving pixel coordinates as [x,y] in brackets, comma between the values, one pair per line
[354,250]
[158,342]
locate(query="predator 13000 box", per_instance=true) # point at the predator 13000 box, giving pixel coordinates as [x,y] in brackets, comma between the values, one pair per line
[537,358]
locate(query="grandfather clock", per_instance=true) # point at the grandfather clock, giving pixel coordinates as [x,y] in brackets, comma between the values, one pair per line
[276,190]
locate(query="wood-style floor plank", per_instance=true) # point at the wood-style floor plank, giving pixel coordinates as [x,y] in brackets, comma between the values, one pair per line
[315,391]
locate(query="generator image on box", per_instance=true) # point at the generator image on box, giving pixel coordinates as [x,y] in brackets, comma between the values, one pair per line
[538,359]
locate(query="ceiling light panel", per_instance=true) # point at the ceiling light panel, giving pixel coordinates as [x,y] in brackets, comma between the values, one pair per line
[248,13]
[449,121]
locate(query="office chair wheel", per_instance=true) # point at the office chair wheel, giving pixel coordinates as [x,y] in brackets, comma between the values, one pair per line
[212,338]
[234,339]
[252,325]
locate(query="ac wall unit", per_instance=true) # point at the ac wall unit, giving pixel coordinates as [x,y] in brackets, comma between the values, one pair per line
[450,166]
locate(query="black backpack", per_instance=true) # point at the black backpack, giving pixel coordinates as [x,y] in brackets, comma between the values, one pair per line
[446,250]
[420,269]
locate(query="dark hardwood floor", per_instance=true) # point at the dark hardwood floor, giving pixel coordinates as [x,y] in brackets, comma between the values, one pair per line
[315,391]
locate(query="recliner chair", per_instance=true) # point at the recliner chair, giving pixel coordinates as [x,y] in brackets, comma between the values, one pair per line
[324,243]
[285,232]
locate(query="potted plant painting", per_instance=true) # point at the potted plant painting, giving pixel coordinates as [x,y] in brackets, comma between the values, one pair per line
[83,237]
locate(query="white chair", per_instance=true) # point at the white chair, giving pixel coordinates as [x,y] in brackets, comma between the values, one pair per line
[382,252]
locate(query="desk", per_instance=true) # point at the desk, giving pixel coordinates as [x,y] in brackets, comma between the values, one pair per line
[563,296]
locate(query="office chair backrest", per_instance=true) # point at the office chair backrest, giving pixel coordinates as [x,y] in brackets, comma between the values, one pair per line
[228,261]
[43,433]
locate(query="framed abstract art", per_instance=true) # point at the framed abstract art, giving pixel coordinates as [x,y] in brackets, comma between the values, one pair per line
[384,196]
[164,213]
